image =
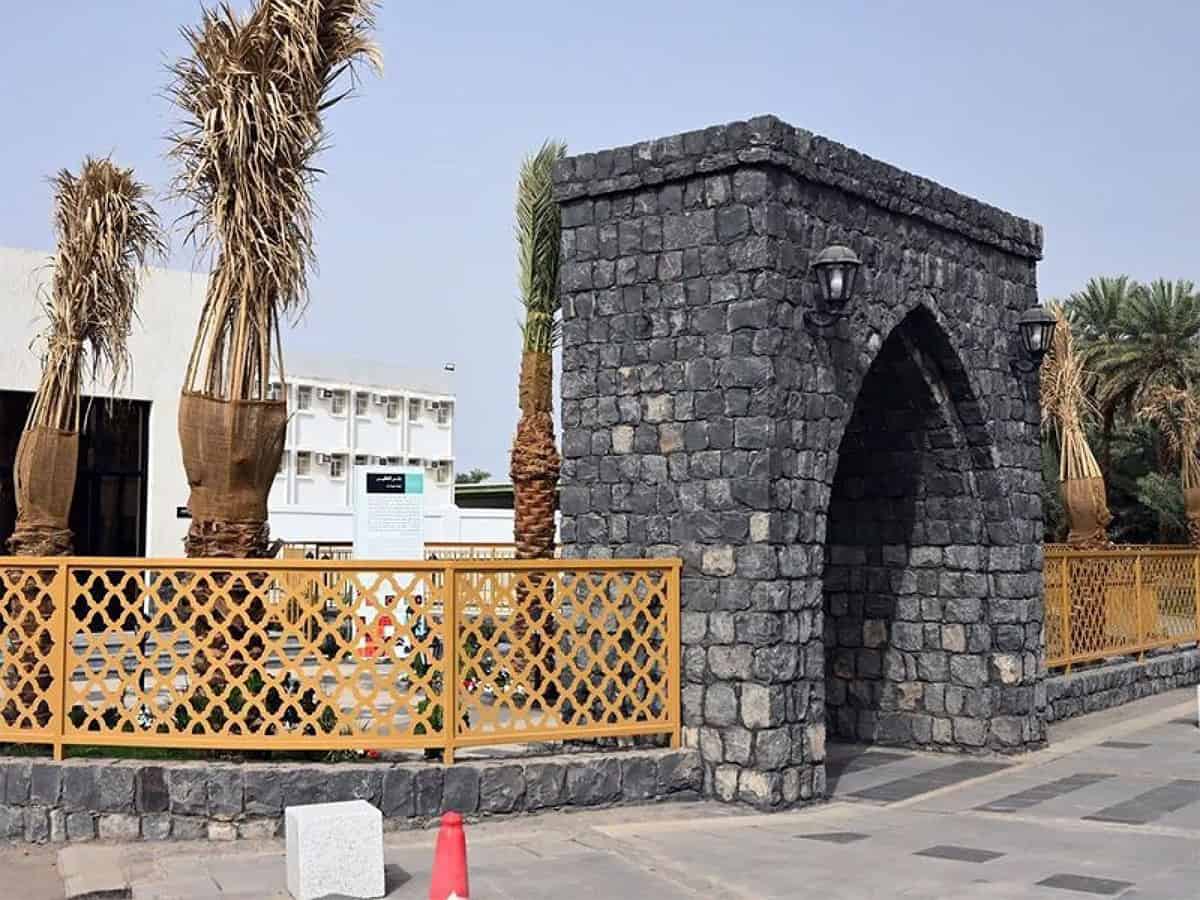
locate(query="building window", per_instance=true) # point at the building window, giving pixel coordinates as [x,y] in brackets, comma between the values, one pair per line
[443,470]
[394,461]
[414,410]
[337,403]
[283,459]
[362,459]
[303,464]
[304,397]
[362,404]
[393,407]
[443,413]
[275,391]
[337,466]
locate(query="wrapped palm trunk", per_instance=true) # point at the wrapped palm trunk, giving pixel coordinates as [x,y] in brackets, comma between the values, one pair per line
[231,453]
[535,465]
[105,230]
[1191,496]
[1083,493]
[1064,401]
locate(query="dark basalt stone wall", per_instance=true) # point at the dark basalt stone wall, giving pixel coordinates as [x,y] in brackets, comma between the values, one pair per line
[857,506]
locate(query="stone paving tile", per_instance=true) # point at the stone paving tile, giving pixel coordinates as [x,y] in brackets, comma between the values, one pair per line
[915,785]
[1043,792]
[835,837]
[959,854]
[1085,884]
[1151,805]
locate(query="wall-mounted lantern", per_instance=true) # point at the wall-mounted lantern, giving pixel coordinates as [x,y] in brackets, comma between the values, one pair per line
[1036,326]
[837,274]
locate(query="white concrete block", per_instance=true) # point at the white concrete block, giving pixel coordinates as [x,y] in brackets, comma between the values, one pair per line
[334,848]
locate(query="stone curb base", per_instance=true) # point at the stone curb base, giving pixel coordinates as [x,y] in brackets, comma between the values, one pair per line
[82,800]
[1104,687]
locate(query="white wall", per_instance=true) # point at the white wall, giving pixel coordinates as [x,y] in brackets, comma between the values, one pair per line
[169,309]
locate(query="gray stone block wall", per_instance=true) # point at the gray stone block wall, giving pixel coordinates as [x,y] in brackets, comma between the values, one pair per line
[704,417]
[1103,687]
[83,800]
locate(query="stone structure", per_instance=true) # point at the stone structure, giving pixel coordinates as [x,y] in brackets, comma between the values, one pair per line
[858,505]
[1070,694]
[334,849]
[80,800]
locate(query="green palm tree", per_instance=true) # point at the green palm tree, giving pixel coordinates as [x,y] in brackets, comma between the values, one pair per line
[1097,315]
[1154,343]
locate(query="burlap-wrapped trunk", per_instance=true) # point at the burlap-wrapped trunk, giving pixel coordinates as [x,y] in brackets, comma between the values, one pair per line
[44,478]
[1087,512]
[231,453]
[1191,505]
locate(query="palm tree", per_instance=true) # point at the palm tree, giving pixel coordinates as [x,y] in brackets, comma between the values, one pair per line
[1097,314]
[535,461]
[252,92]
[1064,405]
[1153,344]
[106,230]
[1176,414]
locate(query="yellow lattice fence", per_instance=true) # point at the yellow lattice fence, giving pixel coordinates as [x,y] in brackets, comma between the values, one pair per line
[322,655]
[1120,602]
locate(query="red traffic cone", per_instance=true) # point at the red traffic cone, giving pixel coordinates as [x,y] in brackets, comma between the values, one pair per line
[450,861]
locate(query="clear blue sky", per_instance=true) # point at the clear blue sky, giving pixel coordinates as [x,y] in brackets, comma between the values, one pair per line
[1079,115]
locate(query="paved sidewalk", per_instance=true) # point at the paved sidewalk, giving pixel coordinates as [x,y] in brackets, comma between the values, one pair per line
[1111,809]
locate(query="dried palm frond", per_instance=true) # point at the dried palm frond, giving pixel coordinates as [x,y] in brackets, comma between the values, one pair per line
[106,230]
[252,91]
[539,245]
[1176,412]
[1066,401]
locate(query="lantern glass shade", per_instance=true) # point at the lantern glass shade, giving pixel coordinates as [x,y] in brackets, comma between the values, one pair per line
[1037,331]
[837,272]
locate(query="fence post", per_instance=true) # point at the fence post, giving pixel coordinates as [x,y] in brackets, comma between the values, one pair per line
[1196,590]
[1066,611]
[675,668]
[450,667]
[59,594]
[1137,602]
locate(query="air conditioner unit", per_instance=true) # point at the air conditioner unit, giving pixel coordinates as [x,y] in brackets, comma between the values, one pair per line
[379,399]
[394,461]
[326,394]
[322,459]
[416,462]
[362,459]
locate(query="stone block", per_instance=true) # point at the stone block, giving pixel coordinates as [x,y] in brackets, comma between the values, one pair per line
[262,792]
[45,786]
[594,781]
[257,829]
[81,826]
[188,791]
[17,778]
[639,778]
[189,828]
[501,789]
[12,823]
[79,789]
[545,785]
[334,848]
[397,794]
[150,790]
[460,791]
[428,792]
[222,831]
[115,788]
[225,792]
[119,827]
[156,826]
[37,824]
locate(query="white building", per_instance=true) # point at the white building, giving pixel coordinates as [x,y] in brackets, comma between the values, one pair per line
[347,413]
[132,492]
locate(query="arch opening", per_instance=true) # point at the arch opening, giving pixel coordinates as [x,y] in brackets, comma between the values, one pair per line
[904,589]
